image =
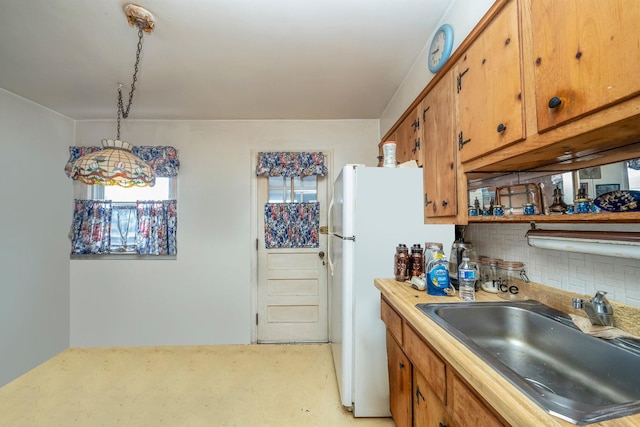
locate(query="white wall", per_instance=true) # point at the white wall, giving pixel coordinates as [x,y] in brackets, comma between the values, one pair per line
[34,222]
[202,297]
[462,15]
[575,272]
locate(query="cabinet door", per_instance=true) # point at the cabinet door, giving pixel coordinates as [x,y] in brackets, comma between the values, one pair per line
[399,383]
[586,56]
[489,87]
[428,409]
[439,168]
[408,139]
[469,410]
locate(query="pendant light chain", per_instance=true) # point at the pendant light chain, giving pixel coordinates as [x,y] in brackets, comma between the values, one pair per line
[121,110]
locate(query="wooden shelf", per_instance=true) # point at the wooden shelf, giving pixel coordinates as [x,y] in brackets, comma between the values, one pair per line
[599,217]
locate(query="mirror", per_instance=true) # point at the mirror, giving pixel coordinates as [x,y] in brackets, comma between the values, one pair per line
[555,193]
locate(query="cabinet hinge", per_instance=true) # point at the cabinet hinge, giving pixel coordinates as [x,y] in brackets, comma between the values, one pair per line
[416,145]
[460,79]
[424,114]
[461,141]
[256,244]
[256,318]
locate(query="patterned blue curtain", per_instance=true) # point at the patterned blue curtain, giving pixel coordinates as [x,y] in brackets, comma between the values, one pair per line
[162,159]
[91,227]
[289,164]
[157,224]
[291,225]
[634,164]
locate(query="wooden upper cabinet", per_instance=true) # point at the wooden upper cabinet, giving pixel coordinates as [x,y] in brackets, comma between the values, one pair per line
[585,56]
[440,168]
[408,139]
[489,87]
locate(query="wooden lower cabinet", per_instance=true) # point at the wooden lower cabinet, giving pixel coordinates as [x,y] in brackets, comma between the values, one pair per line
[424,390]
[469,410]
[428,409]
[399,383]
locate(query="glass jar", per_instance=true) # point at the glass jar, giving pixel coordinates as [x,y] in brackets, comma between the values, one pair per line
[582,205]
[417,260]
[401,263]
[529,209]
[511,277]
[389,154]
[489,274]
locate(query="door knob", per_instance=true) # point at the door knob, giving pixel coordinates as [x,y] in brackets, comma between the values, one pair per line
[321,255]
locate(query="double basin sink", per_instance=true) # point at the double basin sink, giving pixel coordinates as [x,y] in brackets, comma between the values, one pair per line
[571,375]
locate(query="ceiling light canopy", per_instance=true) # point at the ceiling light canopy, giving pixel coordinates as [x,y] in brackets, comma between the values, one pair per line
[115,164]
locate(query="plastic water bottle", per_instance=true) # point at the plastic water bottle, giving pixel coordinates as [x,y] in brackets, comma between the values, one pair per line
[467,281]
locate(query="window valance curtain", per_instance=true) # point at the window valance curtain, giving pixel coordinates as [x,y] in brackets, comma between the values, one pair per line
[290,164]
[162,159]
[291,225]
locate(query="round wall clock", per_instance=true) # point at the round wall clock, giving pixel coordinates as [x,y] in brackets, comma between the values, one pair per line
[441,47]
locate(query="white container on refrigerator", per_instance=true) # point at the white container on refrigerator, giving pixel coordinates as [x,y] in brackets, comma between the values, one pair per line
[372,210]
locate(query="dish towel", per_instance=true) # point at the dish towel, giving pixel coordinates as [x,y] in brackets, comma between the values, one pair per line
[607,332]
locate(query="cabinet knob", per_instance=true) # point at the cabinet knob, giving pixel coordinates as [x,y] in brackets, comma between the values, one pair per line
[555,102]
[444,203]
[442,425]
[501,128]
[401,365]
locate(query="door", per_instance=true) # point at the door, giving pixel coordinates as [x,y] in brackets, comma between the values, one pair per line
[291,282]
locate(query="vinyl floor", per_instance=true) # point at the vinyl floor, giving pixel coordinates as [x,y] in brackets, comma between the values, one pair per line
[221,385]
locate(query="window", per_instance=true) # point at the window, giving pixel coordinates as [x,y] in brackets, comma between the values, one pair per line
[124,218]
[123,234]
[294,189]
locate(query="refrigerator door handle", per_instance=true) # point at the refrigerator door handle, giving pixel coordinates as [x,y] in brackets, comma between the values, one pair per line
[329,235]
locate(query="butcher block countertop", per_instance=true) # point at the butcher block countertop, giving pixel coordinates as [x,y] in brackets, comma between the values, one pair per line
[513,405]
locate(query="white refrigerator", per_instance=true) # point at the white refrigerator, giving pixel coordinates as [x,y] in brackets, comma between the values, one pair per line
[371,212]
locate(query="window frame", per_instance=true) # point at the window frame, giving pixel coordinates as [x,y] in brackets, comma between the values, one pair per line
[97,192]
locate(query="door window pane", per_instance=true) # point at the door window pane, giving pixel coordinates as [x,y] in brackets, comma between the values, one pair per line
[305,189]
[296,189]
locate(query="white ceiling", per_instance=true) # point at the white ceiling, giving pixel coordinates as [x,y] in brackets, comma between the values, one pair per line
[215,59]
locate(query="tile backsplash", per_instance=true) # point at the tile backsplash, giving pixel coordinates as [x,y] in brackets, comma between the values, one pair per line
[570,271]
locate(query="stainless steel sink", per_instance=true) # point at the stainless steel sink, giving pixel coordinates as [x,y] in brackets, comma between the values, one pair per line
[571,375]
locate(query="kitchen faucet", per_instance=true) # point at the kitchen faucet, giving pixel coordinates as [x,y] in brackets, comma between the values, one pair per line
[598,309]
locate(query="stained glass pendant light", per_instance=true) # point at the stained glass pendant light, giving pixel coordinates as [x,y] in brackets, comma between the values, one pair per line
[115,164]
